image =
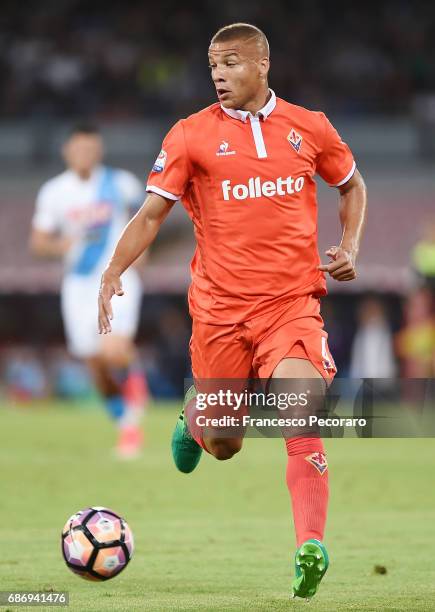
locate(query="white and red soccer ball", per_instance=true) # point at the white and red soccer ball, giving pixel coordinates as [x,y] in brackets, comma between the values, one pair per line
[97,544]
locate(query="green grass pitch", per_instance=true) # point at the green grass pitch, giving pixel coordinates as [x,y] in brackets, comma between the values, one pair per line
[218,539]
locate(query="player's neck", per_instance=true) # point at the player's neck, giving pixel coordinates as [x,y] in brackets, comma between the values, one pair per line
[261,99]
[84,175]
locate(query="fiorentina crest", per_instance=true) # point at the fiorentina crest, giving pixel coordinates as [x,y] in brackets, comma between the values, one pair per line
[318,460]
[295,140]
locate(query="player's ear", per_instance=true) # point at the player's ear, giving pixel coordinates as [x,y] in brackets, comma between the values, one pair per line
[264,65]
[64,151]
[101,150]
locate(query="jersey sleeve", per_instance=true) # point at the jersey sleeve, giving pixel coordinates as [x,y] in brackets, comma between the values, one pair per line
[170,174]
[133,191]
[335,164]
[45,216]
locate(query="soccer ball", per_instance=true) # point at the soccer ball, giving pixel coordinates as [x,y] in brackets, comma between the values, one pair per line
[97,543]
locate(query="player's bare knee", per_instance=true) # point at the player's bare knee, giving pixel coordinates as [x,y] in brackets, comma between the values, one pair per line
[117,352]
[223,449]
[116,360]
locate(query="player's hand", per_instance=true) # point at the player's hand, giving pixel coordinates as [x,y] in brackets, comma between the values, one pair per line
[342,266]
[110,285]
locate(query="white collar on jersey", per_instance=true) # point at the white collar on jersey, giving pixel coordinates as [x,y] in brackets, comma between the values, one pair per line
[243,115]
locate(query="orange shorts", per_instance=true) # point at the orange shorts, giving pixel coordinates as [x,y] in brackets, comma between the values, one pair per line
[254,348]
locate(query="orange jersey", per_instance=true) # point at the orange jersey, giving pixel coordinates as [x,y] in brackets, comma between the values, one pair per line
[247,183]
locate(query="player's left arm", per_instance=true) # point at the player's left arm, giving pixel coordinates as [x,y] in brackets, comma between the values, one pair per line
[353,212]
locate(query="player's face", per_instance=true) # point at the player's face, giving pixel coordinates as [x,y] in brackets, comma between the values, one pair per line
[82,152]
[238,71]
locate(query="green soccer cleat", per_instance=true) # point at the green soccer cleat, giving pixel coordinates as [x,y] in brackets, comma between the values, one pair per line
[185,450]
[311,563]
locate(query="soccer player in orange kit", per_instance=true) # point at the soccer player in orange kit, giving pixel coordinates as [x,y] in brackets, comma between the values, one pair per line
[244,170]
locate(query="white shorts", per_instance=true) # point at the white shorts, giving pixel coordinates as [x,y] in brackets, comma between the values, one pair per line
[79,303]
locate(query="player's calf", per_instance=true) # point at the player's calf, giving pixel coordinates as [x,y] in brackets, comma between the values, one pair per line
[103,380]
[111,382]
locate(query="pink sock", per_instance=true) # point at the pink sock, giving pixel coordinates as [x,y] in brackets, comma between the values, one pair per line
[135,390]
[135,395]
[307,482]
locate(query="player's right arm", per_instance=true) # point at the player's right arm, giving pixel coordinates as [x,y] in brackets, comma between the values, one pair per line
[135,239]
[166,184]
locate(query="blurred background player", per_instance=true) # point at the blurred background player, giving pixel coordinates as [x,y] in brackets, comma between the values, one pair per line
[79,216]
[415,342]
[372,348]
[423,255]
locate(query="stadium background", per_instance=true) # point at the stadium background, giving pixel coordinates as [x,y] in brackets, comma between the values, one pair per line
[135,68]
[135,71]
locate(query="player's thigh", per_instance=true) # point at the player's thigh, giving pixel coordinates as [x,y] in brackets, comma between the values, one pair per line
[221,363]
[301,338]
[301,389]
[300,378]
[79,314]
[296,367]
